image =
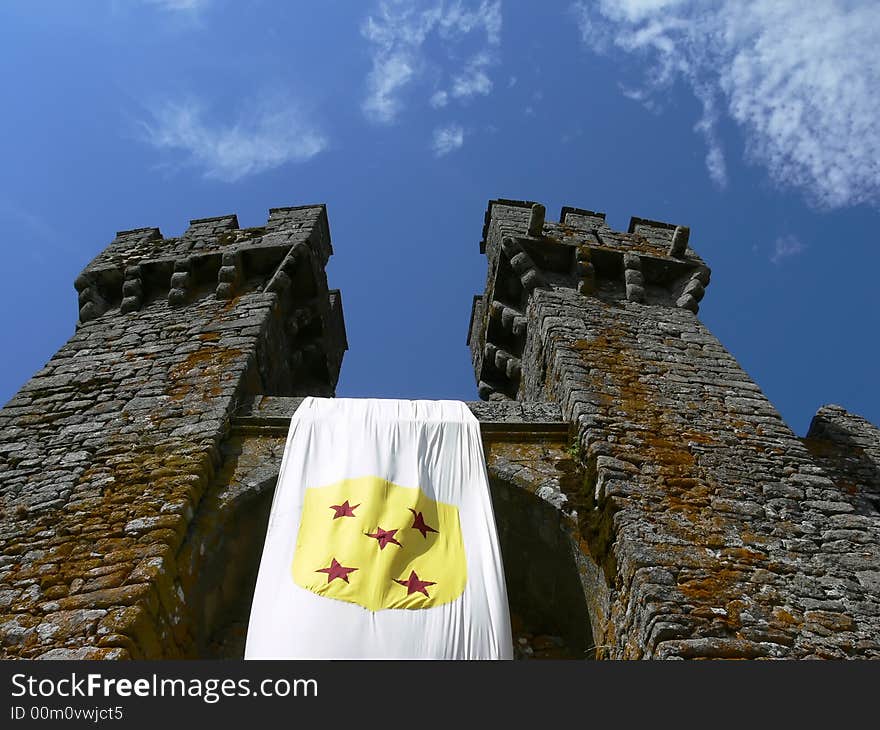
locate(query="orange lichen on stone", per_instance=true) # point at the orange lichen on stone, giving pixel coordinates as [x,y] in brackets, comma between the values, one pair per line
[207,366]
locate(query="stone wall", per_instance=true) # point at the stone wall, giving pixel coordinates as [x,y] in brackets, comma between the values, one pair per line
[848,447]
[706,527]
[110,455]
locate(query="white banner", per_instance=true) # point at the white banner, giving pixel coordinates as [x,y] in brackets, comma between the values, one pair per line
[381,541]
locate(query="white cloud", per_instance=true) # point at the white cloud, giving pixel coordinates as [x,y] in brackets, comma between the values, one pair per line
[439,99]
[398,33]
[706,126]
[786,247]
[715,163]
[447,139]
[473,79]
[388,75]
[271,135]
[642,97]
[800,79]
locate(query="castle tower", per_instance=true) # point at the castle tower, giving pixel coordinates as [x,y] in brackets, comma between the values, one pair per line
[703,527]
[125,519]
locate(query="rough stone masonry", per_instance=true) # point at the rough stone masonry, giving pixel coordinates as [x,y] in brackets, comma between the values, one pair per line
[650,501]
[121,532]
[703,527]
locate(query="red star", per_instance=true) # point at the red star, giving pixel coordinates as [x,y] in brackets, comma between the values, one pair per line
[384,537]
[419,524]
[344,509]
[336,571]
[413,584]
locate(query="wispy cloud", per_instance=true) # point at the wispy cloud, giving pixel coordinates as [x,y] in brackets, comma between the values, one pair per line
[389,74]
[643,97]
[439,99]
[799,78]
[447,139]
[272,134]
[398,32]
[785,247]
[474,79]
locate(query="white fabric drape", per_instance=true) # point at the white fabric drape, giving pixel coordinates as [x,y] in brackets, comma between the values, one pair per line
[434,446]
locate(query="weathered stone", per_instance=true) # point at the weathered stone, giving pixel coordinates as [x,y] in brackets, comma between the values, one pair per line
[635,293]
[679,243]
[690,470]
[634,277]
[536,220]
[121,436]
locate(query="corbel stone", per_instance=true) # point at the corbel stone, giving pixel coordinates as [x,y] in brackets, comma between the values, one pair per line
[511,320]
[284,274]
[522,264]
[694,290]
[508,364]
[229,275]
[585,271]
[91,303]
[633,277]
[180,282]
[489,392]
[132,290]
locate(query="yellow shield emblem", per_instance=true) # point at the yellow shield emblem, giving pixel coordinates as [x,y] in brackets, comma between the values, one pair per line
[379,545]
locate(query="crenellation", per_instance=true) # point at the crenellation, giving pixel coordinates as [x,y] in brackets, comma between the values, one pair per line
[200,226]
[678,245]
[657,232]
[536,221]
[584,220]
[174,267]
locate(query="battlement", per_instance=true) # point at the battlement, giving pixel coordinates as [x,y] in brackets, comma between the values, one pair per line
[650,264]
[213,255]
[643,235]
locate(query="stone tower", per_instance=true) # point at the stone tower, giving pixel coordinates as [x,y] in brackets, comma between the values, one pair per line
[650,501]
[702,526]
[124,520]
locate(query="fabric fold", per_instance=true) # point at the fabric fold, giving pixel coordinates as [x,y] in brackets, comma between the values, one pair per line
[381,540]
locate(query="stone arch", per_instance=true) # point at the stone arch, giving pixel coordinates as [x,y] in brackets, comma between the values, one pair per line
[549,585]
[547,592]
[220,558]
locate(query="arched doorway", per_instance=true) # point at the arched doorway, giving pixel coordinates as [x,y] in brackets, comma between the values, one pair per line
[546,592]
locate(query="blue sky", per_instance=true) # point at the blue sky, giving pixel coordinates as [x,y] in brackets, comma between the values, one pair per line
[756,123]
